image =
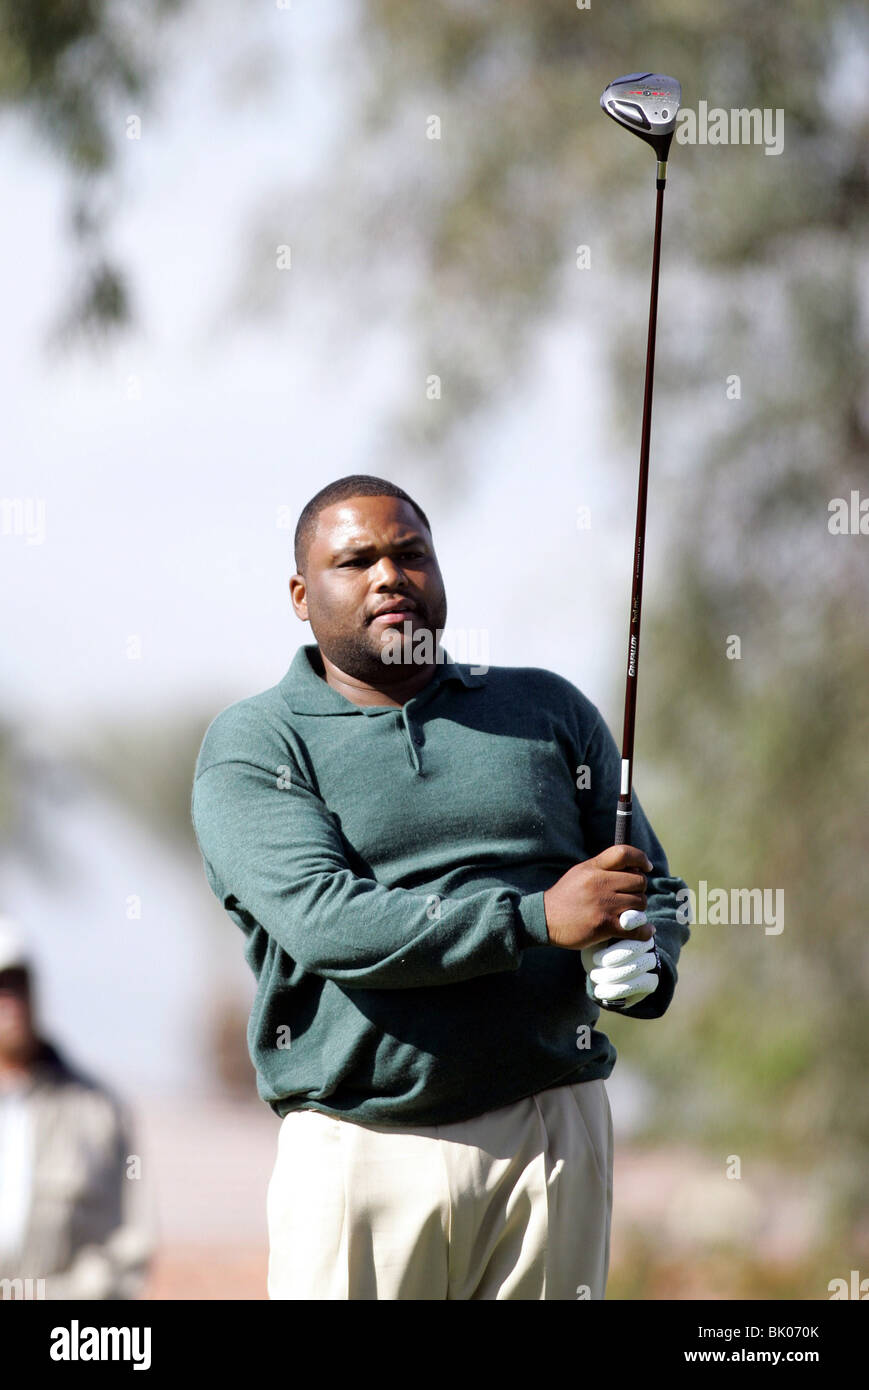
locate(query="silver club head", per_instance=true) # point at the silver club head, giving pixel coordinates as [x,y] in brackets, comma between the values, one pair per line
[646,103]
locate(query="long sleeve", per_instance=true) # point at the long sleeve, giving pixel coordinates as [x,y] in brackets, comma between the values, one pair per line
[274,850]
[666,894]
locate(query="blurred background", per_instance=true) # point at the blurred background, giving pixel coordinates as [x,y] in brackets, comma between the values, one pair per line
[248,248]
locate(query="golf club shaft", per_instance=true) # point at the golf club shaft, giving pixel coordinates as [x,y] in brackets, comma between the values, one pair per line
[625,808]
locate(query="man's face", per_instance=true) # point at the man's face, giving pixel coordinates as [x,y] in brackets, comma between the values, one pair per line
[369,552]
[16,1019]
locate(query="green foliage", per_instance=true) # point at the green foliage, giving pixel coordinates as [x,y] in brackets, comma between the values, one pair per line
[149,766]
[69,65]
[532,167]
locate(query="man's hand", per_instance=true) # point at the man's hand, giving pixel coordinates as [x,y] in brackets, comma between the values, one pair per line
[627,971]
[583,908]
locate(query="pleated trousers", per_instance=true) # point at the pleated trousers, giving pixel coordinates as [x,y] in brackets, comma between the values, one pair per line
[512,1204]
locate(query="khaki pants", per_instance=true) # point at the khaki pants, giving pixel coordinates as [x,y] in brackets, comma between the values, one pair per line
[515,1204]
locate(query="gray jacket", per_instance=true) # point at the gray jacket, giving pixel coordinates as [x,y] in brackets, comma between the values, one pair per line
[88,1235]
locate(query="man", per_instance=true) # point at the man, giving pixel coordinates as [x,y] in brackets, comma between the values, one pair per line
[420,859]
[67,1229]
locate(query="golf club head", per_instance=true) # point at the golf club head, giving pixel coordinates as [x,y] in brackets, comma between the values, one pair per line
[646,103]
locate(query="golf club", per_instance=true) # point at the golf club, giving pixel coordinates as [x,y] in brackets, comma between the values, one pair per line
[647,104]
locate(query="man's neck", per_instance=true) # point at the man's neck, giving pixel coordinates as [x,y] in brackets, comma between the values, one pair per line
[397,693]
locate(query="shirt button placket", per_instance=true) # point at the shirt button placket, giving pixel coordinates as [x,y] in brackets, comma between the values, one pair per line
[415,741]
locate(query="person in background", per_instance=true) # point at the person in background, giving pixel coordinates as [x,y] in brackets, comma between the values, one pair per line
[67,1223]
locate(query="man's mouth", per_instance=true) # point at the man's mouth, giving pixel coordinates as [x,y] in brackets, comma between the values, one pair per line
[394,617]
[394,613]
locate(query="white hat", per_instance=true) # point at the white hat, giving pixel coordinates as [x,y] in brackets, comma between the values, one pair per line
[13,951]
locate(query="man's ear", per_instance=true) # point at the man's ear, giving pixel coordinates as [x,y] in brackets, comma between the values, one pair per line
[299,596]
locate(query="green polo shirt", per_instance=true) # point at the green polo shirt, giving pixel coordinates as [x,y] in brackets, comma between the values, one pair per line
[387,866]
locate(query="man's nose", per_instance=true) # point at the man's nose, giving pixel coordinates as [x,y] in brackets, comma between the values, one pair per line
[387,572]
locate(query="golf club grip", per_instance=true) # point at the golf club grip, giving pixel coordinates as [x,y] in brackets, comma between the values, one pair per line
[624,819]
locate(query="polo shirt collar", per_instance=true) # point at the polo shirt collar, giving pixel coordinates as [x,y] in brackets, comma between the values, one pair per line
[306,692]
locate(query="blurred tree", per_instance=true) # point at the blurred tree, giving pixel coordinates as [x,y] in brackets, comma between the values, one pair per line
[68,66]
[148,764]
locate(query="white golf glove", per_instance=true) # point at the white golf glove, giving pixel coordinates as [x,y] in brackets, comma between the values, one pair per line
[624,970]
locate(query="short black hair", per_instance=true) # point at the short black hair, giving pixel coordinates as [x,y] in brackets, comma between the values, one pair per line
[354,485]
